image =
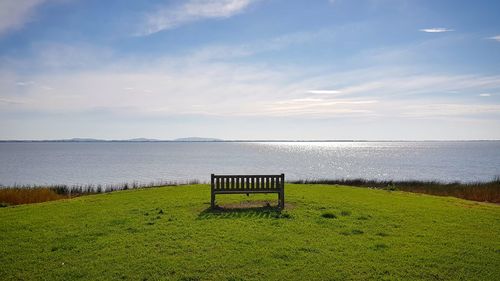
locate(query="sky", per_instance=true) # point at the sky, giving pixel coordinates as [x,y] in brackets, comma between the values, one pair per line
[250,69]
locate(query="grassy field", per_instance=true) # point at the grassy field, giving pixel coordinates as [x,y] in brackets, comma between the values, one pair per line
[488,191]
[325,233]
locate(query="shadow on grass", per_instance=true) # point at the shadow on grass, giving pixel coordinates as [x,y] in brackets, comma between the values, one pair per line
[243,212]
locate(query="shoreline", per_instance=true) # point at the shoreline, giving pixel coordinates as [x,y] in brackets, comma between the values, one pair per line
[475,191]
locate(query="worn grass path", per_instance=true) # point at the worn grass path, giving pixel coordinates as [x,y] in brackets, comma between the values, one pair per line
[327,233]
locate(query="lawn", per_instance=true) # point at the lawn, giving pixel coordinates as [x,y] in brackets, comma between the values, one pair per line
[325,233]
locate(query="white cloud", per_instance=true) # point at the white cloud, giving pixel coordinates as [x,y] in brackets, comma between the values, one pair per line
[485,95]
[496,38]
[452,109]
[10,101]
[228,51]
[170,86]
[15,13]
[321,107]
[304,100]
[24,83]
[191,11]
[328,92]
[407,84]
[436,30]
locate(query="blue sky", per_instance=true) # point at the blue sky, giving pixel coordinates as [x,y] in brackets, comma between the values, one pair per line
[250,69]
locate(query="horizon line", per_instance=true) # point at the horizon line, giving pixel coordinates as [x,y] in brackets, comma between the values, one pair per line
[243,140]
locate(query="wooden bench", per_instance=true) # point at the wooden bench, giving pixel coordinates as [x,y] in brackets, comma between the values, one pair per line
[246,184]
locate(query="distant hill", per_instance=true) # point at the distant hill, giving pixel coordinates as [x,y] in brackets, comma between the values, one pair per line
[79,140]
[141,139]
[100,140]
[197,139]
[190,139]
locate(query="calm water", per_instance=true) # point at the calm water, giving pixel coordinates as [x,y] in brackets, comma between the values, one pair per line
[113,163]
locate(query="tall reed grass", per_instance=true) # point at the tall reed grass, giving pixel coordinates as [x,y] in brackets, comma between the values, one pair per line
[476,191]
[27,194]
[16,196]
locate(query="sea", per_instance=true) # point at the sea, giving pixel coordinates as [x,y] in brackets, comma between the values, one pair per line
[113,163]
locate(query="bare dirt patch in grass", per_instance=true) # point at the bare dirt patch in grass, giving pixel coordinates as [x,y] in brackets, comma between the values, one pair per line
[253,204]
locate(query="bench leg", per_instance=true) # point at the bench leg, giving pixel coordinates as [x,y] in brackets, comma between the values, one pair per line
[281,200]
[212,201]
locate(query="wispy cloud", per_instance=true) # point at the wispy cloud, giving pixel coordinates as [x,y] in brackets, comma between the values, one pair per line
[24,83]
[10,101]
[436,30]
[485,95]
[230,51]
[191,11]
[170,86]
[327,92]
[496,38]
[451,109]
[408,84]
[14,13]
[313,107]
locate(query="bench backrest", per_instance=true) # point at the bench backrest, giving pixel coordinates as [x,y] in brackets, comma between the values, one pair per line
[247,182]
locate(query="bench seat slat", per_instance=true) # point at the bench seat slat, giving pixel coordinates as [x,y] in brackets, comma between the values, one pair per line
[244,176]
[244,191]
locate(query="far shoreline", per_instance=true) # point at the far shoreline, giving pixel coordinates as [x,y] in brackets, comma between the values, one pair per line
[232,141]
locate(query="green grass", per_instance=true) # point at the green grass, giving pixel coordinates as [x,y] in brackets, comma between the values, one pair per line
[326,233]
[488,191]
